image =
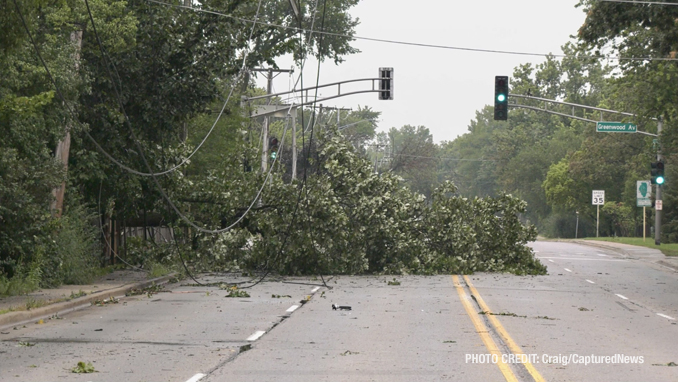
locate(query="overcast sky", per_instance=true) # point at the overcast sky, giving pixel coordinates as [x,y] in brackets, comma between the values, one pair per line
[441,88]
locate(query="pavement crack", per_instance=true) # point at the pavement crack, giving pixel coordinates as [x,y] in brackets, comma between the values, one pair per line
[95,341]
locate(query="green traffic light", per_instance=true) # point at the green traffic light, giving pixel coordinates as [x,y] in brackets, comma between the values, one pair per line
[273,154]
[501,98]
[660,180]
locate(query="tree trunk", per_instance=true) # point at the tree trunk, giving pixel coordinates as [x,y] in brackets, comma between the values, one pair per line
[64,146]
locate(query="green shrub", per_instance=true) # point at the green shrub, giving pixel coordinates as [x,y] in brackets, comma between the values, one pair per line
[75,251]
[26,279]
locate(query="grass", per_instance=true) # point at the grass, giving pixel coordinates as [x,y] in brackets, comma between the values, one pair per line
[670,249]
[32,303]
[158,270]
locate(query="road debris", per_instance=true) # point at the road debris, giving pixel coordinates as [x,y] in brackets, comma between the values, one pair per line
[110,300]
[84,368]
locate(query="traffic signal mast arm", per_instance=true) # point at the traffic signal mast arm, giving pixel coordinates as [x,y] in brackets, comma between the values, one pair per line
[546,100]
[375,88]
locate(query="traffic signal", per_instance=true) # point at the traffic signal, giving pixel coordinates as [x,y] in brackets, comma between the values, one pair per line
[273,147]
[657,172]
[386,83]
[501,93]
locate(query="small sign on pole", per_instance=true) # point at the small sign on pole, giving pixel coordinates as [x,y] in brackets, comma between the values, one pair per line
[658,205]
[643,193]
[598,199]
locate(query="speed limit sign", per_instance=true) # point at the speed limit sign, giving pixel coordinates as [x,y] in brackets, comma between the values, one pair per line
[598,198]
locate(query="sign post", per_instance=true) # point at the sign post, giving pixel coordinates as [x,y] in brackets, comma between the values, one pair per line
[598,199]
[643,194]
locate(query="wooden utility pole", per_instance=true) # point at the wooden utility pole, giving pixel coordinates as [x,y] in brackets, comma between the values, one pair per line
[184,133]
[64,146]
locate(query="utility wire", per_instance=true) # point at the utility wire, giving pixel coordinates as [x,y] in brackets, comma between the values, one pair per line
[160,189]
[108,244]
[311,123]
[447,158]
[303,144]
[638,2]
[221,112]
[310,142]
[143,157]
[417,44]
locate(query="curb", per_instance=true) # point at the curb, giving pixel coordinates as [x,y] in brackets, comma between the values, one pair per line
[668,265]
[20,317]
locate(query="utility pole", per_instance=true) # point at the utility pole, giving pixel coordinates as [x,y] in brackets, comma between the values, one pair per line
[339,110]
[184,133]
[264,133]
[269,88]
[658,213]
[294,143]
[64,146]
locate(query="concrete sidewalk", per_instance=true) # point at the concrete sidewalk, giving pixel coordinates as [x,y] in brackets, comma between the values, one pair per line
[44,303]
[654,255]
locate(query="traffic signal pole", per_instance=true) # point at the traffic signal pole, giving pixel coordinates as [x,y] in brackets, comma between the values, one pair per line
[658,213]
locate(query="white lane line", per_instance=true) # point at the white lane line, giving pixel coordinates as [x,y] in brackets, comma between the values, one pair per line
[196,377]
[665,316]
[551,261]
[256,335]
[315,289]
[621,296]
[292,308]
[600,254]
[568,270]
[590,282]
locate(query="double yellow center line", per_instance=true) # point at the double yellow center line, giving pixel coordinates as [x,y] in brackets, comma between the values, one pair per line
[484,333]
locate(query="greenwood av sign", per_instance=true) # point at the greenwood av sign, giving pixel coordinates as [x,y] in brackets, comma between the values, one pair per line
[615,127]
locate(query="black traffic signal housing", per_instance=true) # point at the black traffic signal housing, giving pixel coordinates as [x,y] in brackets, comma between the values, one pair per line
[386,83]
[501,93]
[273,147]
[657,172]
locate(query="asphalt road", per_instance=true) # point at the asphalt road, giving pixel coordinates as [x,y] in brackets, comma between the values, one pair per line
[616,312]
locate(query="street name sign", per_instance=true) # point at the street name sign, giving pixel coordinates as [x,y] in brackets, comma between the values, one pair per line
[598,198]
[643,193]
[615,127]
